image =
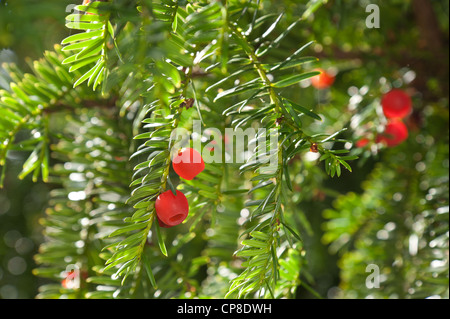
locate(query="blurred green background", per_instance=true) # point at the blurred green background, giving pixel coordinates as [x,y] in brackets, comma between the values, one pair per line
[408,41]
[27,28]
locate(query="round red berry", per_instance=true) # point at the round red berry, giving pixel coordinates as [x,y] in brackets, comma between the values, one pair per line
[188,163]
[396,104]
[171,210]
[394,134]
[323,80]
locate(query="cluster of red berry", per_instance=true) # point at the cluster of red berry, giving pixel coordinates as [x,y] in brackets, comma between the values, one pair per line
[172,210]
[396,106]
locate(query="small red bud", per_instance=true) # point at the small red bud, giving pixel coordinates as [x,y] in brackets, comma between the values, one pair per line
[314,148]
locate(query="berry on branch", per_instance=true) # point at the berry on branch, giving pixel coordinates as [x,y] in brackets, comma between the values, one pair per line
[188,163]
[171,210]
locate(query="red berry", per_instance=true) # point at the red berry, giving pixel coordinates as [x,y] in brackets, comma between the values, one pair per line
[188,163]
[323,80]
[362,142]
[396,104]
[171,210]
[394,134]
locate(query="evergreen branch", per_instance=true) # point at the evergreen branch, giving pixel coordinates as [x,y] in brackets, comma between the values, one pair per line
[91,45]
[91,200]
[153,174]
[262,266]
[261,274]
[26,106]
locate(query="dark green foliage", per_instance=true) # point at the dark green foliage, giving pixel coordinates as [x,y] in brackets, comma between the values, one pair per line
[89,205]
[398,223]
